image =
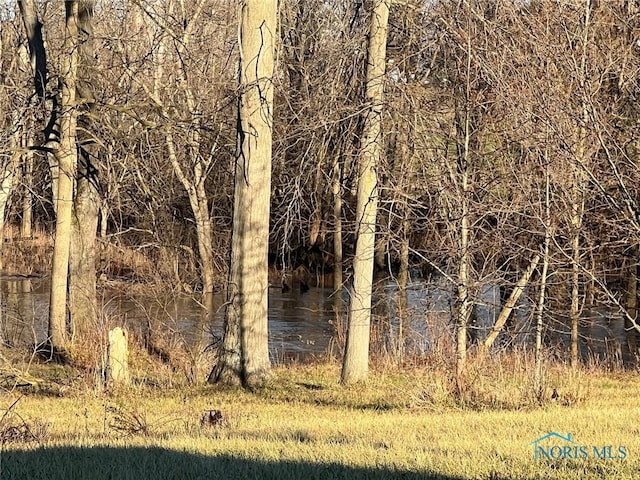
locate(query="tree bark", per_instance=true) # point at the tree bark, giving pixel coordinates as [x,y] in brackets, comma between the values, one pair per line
[356,358]
[27,181]
[632,303]
[7,175]
[510,304]
[66,156]
[464,301]
[245,353]
[192,179]
[403,283]
[538,383]
[337,237]
[577,195]
[82,257]
[37,50]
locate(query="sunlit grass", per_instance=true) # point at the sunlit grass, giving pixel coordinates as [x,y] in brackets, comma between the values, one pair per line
[303,424]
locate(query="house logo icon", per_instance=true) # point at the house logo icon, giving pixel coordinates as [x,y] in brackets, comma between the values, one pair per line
[555,446]
[539,444]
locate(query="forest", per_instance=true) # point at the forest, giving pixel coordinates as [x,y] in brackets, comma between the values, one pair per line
[372,150]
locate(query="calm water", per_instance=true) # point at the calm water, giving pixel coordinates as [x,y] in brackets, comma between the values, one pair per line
[301,324]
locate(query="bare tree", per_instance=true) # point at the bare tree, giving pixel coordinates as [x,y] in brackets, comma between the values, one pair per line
[82,257]
[66,156]
[245,356]
[356,358]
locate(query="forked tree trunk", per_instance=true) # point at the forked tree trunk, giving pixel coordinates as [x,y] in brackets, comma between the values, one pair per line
[245,353]
[38,58]
[355,366]
[193,179]
[200,207]
[66,157]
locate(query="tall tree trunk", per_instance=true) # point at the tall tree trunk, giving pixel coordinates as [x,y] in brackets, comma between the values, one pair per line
[82,258]
[405,178]
[577,193]
[337,237]
[245,353]
[66,156]
[538,383]
[82,261]
[464,299]
[574,311]
[356,358]
[403,282]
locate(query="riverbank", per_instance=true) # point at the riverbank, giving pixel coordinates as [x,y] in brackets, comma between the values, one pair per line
[303,424]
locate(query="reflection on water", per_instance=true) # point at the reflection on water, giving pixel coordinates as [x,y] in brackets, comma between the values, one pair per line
[298,323]
[301,324]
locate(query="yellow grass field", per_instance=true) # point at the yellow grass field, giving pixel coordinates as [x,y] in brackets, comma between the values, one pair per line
[303,425]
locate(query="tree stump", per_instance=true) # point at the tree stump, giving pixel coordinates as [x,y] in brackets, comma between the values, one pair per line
[118,357]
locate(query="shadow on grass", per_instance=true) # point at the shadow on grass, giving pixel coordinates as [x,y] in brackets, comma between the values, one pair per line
[138,463]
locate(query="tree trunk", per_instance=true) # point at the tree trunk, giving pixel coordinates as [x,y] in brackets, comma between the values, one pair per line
[245,353]
[632,303]
[37,50]
[510,304]
[27,181]
[38,58]
[464,299]
[6,185]
[356,358]
[403,282]
[538,383]
[464,303]
[194,182]
[82,261]
[337,237]
[66,157]
[200,207]
[577,193]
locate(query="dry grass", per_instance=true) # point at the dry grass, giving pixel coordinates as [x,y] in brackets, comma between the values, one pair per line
[303,424]
[28,256]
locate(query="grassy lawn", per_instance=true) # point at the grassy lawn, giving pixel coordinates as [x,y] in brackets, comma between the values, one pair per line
[400,424]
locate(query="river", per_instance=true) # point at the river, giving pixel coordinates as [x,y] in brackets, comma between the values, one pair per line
[302,324]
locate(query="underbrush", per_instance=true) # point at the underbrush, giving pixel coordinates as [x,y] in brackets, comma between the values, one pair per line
[502,382]
[118,264]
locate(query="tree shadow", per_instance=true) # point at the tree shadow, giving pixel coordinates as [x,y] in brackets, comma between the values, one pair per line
[139,463]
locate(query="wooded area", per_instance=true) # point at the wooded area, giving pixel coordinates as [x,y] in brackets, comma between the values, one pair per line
[488,143]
